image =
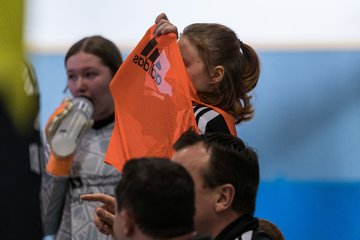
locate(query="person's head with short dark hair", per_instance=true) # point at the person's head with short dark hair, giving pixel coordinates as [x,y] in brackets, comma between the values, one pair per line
[155,200]
[226,175]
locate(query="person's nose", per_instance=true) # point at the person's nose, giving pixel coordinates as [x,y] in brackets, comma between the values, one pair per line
[80,83]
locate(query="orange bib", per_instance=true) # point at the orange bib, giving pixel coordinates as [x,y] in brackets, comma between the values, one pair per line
[153,106]
[153,101]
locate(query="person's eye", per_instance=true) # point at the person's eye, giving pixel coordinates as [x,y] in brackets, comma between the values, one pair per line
[90,74]
[71,77]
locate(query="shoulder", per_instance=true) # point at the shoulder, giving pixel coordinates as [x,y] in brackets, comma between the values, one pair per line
[209,120]
[260,235]
[202,237]
[269,229]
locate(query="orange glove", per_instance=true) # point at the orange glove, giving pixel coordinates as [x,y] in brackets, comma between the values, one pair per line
[58,166]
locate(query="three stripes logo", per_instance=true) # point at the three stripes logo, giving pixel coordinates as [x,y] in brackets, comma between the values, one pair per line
[147,58]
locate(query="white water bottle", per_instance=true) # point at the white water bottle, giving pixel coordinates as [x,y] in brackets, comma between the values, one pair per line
[72,127]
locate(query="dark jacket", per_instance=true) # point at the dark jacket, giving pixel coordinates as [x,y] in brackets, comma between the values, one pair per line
[243,228]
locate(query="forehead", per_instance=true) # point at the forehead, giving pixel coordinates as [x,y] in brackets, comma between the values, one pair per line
[81,59]
[192,157]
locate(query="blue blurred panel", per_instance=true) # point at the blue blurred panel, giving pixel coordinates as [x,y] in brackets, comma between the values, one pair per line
[311,210]
[50,71]
[307,115]
[307,112]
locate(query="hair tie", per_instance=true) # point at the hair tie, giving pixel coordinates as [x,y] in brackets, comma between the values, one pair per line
[241,43]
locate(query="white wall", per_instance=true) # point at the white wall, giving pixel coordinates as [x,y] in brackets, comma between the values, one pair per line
[56,24]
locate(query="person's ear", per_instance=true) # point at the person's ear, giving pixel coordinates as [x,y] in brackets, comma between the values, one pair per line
[127,223]
[217,74]
[226,194]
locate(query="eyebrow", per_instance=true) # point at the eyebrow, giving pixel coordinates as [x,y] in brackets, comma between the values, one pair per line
[83,69]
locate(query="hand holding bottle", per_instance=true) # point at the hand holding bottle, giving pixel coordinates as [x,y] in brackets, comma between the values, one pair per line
[64,131]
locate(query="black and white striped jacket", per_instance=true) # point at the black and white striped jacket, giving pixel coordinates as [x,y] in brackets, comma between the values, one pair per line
[209,120]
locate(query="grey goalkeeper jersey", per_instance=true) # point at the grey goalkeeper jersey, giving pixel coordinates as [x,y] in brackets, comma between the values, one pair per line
[64,215]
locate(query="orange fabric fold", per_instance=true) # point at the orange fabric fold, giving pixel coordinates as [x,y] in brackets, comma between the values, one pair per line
[153,104]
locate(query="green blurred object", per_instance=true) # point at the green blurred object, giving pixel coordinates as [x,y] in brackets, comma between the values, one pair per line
[13,96]
[20,144]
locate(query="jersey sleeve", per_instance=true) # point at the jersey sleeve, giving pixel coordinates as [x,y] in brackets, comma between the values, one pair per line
[209,120]
[53,192]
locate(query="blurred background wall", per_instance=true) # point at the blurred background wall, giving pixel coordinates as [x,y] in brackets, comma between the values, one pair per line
[307,123]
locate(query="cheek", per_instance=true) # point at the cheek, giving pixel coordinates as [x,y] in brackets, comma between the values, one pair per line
[105,85]
[194,76]
[199,78]
[203,213]
[117,228]
[72,88]
[101,87]
[202,202]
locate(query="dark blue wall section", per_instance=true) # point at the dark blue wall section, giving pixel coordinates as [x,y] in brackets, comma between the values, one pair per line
[306,124]
[311,210]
